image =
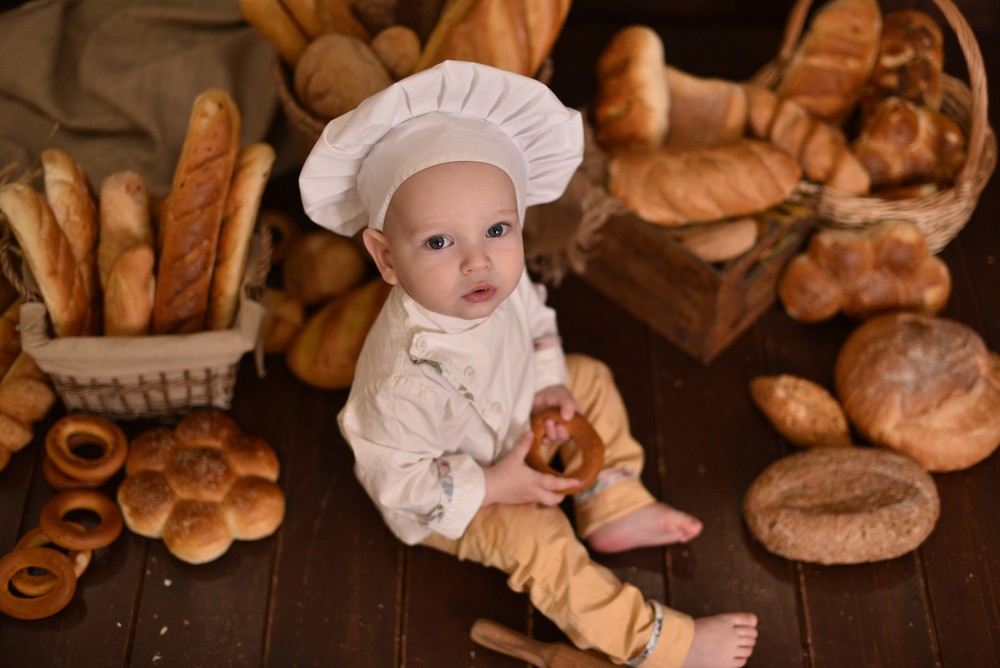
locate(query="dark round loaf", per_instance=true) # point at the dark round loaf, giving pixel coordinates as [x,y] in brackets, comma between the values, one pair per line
[842,505]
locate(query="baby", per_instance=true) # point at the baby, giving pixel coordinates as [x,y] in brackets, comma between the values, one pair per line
[437,170]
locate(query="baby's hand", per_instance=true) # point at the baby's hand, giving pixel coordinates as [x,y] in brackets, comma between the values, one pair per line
[512,481]
[558,396]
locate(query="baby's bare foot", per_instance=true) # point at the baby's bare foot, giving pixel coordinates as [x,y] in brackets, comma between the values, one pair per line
[722,641]
[655,524]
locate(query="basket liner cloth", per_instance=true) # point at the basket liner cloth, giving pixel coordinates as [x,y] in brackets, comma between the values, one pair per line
[90,357]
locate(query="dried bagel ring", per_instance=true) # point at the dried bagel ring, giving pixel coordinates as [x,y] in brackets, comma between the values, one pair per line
[48,604]
[590,444]
[33,585]
[60,482]
[76,429]
[67,534]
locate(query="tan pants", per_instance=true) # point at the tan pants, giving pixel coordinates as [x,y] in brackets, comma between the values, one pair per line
[538,549]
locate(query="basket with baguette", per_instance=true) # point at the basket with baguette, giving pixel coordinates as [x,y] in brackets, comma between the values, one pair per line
[891,76]
[134,306]
[332,54]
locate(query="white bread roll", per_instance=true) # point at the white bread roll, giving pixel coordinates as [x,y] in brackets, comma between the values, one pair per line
[128,295]
[47,250]
[68,192]
[678,186]
[124,218]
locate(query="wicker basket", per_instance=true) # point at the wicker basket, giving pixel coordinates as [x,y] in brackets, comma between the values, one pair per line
[145,376]
[306,127]
[940,216]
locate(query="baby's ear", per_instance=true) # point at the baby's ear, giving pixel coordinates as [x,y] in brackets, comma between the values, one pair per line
[378,248]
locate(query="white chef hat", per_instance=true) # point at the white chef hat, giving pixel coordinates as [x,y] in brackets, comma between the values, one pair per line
[454,111]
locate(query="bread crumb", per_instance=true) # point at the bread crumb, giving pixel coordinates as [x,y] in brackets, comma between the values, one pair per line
[163,631]
[167,582]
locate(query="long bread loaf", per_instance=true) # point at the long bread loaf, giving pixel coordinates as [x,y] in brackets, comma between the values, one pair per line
[192,216]
[253,168]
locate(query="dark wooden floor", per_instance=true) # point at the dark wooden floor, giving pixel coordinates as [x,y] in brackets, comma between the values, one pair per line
[334,588]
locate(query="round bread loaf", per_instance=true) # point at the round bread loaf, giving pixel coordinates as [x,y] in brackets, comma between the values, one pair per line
[201,486]
[842,505]
[924,385]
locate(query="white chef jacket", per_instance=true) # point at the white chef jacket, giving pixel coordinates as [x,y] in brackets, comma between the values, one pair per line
[435,398]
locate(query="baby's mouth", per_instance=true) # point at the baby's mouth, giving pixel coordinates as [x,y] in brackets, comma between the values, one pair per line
[480,293]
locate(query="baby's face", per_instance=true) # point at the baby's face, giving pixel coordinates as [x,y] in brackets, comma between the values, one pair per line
[453,239]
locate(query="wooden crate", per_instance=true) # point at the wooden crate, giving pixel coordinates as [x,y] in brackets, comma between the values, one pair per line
[699,307]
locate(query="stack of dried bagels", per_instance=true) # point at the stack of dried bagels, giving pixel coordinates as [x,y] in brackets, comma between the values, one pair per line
[123,263]
[857,110]
[341,52]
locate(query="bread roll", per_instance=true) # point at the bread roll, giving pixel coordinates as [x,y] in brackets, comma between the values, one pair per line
[324,352]
[322,265]
[336,73]
[924,385]
[703,111]
[124,218]
[632,108]
[128,295]
[199,493]
[910,63]
[10,334]
[68,192]
[718,242]
[862,272]
[253,169]
[47,250]
[275,24]
[677,186]
[514,35]
[829,70]
[802,411]
[26,397]
[842,505]
[902,144]
[192,217]
[398,47]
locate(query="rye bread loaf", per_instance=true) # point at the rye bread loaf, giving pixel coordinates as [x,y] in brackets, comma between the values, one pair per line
[842,505]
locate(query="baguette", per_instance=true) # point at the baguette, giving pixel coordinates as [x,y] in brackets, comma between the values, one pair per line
[253,168]
[192,216]
[128,294]
[270,19]
[49,255]
[337,16]
[68,193]
[514,35]
[678,186]
[124,218]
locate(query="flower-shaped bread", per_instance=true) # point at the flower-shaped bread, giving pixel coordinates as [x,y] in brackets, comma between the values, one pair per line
[200,486]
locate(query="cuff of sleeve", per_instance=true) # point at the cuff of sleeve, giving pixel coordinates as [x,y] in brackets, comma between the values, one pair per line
[550,367]
[463,487]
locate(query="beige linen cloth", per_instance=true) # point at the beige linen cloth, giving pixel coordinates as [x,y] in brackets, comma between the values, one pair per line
[113,81]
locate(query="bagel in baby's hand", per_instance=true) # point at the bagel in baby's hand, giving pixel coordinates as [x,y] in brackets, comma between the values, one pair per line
[590,445]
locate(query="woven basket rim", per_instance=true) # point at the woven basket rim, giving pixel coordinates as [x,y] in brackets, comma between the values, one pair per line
[941,215]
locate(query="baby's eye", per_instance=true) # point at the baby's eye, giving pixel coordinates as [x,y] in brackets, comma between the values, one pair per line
[437,243]
[497,230]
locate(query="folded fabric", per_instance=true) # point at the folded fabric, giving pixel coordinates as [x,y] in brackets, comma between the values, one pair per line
[112,82]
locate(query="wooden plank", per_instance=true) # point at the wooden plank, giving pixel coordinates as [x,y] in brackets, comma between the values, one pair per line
[336,589]
[713,445]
